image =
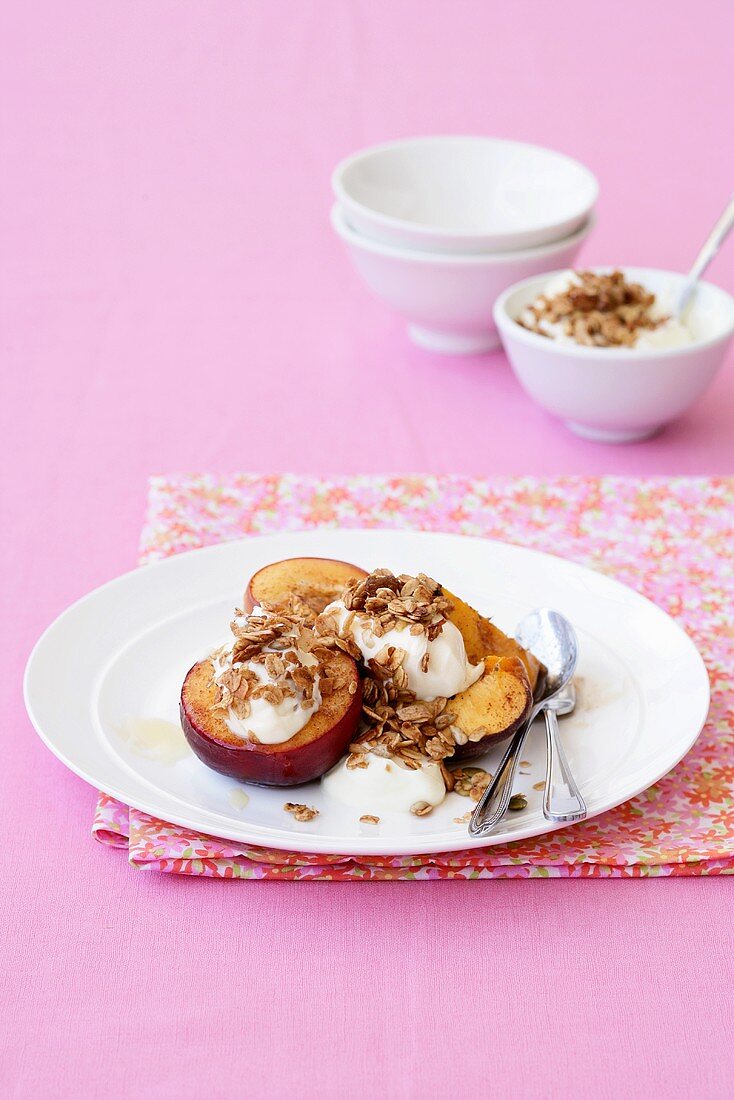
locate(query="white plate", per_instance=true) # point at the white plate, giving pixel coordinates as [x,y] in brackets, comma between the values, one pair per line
[121,653]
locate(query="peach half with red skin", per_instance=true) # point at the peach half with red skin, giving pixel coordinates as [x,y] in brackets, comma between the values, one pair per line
[305,756]
[311,582]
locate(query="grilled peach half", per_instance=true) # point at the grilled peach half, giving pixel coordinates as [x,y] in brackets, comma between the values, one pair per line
[493,707]
[305,756]
[310,583]
[483,639]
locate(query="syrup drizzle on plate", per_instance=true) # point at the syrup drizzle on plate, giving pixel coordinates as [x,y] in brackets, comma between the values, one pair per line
[155,739]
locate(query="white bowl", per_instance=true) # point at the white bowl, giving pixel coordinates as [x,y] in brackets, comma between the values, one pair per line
[464,194]
[617,395]
[448,300]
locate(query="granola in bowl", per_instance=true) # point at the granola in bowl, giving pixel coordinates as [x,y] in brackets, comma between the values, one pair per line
[603,310]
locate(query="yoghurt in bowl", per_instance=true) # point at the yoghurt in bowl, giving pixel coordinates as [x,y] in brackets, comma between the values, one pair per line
[605,309]
[606,385]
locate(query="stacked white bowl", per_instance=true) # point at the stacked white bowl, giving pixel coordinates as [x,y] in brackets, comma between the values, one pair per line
[439,227]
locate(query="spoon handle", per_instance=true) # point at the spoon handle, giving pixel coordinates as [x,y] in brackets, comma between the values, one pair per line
[562,799]
[713,243]
[495,800]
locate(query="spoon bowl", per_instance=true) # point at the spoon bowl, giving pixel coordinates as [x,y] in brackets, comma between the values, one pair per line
[550,637]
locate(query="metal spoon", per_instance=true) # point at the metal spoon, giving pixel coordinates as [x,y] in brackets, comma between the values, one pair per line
[562,799]
[713,243]
[551,638]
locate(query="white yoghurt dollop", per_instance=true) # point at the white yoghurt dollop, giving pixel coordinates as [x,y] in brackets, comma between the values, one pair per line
[449,671]
[267,723]
[671,334]
[385,785]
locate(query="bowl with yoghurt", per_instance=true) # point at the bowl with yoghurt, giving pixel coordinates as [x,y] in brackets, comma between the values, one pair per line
[605,351]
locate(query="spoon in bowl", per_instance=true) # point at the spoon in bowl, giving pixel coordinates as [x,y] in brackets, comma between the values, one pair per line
[551,638]
[711,246]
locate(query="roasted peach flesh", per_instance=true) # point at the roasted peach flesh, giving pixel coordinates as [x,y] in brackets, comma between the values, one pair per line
[483,639]
[311,582]
[305,756]
[493,707]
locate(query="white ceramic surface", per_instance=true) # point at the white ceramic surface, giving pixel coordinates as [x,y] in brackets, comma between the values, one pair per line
[120,654]
[618,395]
[448,300]
[464,194]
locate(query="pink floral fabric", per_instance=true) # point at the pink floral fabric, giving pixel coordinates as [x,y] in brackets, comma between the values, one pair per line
[670,538]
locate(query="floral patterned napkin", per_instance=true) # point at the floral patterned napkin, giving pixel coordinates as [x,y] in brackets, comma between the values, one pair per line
[670,538]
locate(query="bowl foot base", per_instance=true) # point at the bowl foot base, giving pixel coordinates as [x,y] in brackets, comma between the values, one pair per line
[613,435]
[453,343]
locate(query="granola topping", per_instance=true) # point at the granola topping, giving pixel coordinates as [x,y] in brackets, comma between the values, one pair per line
[268,681]
[471,782]
[603,311]
[413,659]
[399,628]
[300,812]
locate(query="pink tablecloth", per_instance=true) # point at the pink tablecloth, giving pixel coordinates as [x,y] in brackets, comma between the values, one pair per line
[172,298]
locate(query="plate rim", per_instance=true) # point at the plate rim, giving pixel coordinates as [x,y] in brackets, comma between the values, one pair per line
[313,844]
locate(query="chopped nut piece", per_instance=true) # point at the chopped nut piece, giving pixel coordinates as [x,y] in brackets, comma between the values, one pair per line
[370,819]
[448,777]
[460,738]
[464,818]
[539,786]
[271,693]
[301,812]
[420,809]
[274,666]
